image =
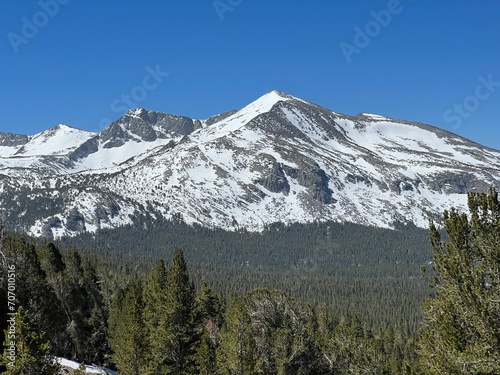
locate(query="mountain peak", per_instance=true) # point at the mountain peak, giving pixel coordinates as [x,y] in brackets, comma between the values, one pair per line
[265,102]
[135,112]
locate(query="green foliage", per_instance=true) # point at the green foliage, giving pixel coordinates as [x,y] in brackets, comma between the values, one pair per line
[32,351]
[267,332]
[33,292]
[93,295]
[235,353]
[180,328]
[462,322]
[206,354]
[155,317]
[170,317]
[209,305]
[51,259]
[127,331]
[164,328]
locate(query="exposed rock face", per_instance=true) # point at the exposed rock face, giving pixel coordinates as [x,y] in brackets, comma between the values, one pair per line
[114,136]
[273,178]
[314,179]
[12,140]
[75,221]
[279,159]
[143,125]
[87,148]
[49,225]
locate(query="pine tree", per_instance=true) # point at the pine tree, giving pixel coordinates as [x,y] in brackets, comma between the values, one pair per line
[209,315]
[208,304]
[206,355]
[127,331]
[51,259]
[180,327]
[34,294]
[76,301]
[32,351]
[235,352]
[462,322]
[170,316]
[155,318]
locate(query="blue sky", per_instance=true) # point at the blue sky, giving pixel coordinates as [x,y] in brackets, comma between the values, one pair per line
[84,63]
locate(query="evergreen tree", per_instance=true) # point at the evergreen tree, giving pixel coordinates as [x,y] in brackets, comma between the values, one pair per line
[209,306]
[180,327]
[235,352]
[462,322]
[171,318]
[351,349]
[95,341]
[206,355]
[77,305]
[33,292]
[32,350]
[268,332]
[209,315]
[155,315]
[51,259]
[127,331]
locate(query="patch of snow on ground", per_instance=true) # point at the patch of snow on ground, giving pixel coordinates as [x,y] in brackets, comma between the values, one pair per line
[90,369]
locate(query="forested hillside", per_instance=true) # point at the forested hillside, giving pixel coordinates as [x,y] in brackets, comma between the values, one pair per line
[351,268]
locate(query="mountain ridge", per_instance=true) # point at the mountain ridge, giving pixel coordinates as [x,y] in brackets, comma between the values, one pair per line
[278,159]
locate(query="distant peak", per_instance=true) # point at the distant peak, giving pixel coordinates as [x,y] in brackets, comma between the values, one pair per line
[56,128]
[64,126]
[265,102]
[60,129]
[135,112]
[280,95]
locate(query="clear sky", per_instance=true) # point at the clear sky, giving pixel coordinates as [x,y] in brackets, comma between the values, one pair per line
[85,62]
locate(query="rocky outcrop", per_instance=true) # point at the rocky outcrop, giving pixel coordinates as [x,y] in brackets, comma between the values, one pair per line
[12,140]
[274,179]
[114,136]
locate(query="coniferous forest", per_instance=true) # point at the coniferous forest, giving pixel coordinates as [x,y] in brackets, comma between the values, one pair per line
[324,298]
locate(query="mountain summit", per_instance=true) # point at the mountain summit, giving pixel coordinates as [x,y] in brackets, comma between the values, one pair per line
[279,159]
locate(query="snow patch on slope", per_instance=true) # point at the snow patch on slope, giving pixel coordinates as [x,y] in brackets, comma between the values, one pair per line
[58,140]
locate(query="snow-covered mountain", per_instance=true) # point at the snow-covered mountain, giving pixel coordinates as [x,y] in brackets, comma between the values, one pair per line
[280,158]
